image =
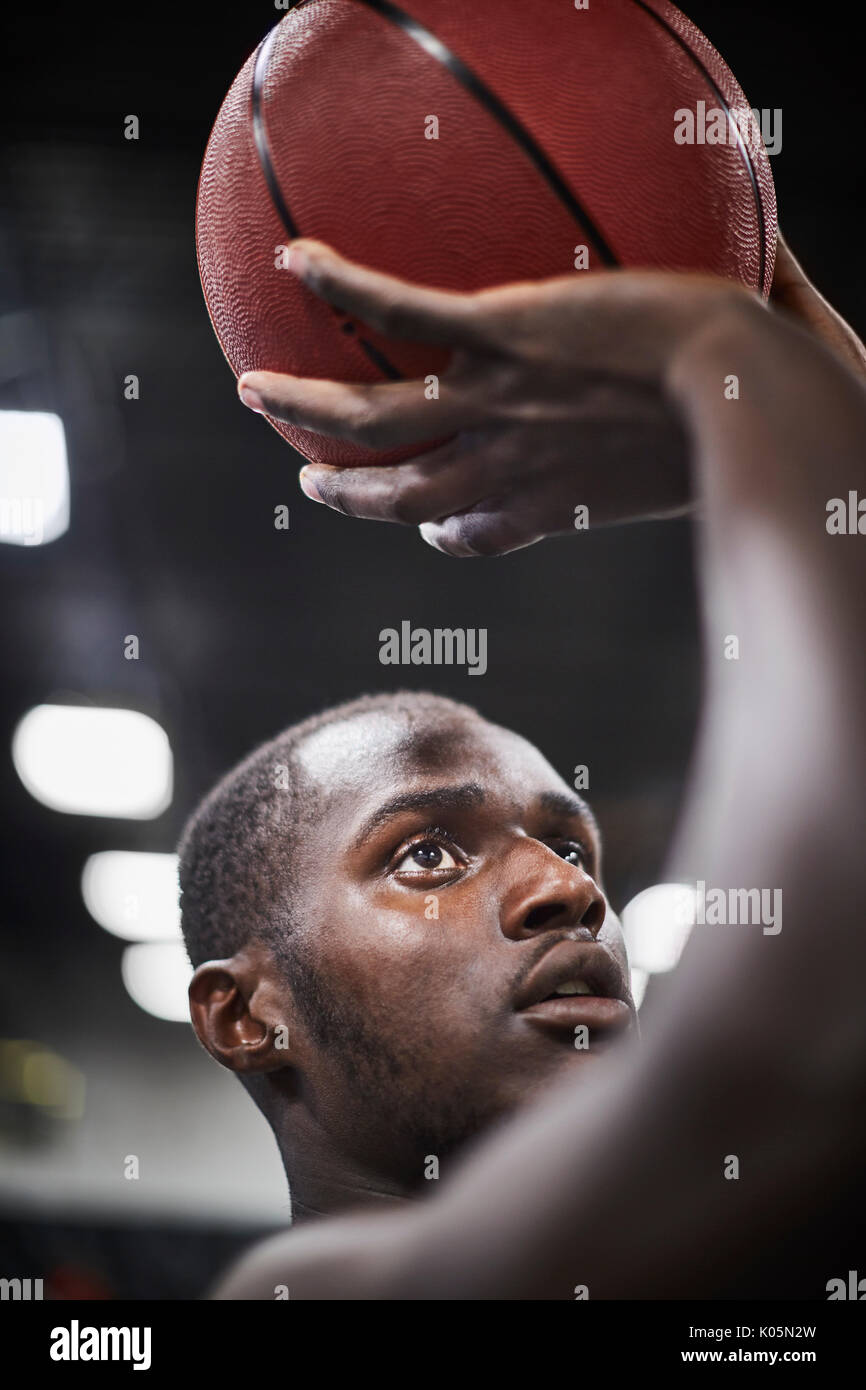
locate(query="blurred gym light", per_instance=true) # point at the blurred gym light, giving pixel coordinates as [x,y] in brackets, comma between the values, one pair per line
[656,926]
[34,478]
[639,981]
[94,762]
[31,1074]
[133,895]
[157,976]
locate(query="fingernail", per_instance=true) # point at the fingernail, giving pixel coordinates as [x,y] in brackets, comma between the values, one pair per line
[252,399]
[427,530]
[308,486]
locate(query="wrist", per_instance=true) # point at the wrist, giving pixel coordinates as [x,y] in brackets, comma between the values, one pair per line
[728,317]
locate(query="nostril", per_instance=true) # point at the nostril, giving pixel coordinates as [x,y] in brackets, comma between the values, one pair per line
[540,916]
[594,916]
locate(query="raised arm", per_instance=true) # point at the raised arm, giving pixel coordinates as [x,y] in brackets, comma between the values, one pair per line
[762,1051]
[618,1185]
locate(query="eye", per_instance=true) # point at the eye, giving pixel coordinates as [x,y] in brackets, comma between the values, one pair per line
[572,853]
[425,854]
[432,851]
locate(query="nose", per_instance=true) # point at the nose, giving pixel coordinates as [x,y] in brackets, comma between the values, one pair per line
[547,894]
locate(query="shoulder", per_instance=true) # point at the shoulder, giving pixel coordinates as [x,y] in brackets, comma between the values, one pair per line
[356,1257]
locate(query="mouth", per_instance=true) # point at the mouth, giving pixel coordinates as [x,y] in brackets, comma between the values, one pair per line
[577,984]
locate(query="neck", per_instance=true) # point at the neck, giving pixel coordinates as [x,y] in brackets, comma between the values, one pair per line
[324,1181]
[321,1192]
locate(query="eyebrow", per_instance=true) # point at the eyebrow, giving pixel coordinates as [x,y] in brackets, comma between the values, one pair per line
[462,798]
[565,804]
[457,798]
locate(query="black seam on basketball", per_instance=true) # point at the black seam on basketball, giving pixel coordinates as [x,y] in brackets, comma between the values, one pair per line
[743,147]
[379,360]
[497,108]
[260,134]
[475,86]
[263,149]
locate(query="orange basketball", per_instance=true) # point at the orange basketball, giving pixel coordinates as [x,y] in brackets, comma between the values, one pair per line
[463,145]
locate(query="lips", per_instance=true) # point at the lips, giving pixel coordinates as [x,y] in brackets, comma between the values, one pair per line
[577,982]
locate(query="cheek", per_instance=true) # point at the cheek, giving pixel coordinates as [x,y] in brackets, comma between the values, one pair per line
[404,954]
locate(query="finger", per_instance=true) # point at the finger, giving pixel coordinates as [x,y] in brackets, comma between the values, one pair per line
[787,270]
[393,307]
[446,480]
[494,526]
[378,416]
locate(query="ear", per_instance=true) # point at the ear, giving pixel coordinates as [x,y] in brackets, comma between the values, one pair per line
[238,1009]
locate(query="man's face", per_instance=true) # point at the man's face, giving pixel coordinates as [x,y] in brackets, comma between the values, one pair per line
[450,883]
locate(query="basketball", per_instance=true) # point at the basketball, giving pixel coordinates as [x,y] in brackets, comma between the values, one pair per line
[463,146]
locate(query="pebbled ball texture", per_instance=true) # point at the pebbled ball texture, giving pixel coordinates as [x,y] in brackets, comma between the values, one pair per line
[345,105]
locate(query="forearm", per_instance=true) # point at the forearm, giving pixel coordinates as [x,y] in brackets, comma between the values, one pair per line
[783,600]
[623,1190]
[777,427]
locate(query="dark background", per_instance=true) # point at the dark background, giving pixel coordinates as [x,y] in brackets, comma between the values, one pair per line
[593,646]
